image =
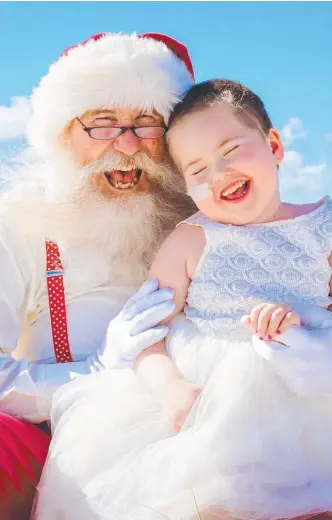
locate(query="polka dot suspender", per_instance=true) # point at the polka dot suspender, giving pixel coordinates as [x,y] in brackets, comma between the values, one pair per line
[57,303]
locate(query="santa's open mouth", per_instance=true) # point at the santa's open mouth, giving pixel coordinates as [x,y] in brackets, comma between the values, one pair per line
[236,191]
[123,179]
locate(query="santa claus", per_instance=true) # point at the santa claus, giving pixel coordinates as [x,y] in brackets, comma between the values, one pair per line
[78,229]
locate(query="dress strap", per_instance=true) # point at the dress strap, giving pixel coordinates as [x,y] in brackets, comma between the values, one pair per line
[211,229]
[57,303]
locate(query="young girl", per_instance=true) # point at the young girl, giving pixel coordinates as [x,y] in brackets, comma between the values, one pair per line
[203,428]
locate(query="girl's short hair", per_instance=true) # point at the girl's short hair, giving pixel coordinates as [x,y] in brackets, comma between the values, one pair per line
[247,105]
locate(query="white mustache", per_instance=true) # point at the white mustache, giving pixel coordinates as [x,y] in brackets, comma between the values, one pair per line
[111,162]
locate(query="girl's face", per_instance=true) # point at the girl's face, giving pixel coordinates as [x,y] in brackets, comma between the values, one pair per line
[236,164]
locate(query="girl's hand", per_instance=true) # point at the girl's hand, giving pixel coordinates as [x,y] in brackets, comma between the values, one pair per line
[304,357]
[269,320]
[177,399]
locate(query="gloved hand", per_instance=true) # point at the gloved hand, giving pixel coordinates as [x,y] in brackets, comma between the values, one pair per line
[305,360]
[136,328]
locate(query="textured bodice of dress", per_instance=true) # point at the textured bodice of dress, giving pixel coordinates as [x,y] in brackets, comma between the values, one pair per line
[281,262]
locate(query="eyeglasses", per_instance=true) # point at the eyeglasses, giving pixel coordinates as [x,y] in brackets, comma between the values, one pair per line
[112,132]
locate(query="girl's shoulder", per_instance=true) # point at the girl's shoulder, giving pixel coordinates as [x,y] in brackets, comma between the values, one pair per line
[302,213]
[198,219]
[185,245]
[187,239]
[182,239]
[307,209]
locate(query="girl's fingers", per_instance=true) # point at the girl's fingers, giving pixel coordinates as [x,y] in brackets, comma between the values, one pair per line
[246,322]
[276,319]
[269,320]
[254,316]
[264,320]
[291,318]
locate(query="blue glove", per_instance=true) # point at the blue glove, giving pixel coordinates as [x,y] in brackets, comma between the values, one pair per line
[304,362]
[136,328]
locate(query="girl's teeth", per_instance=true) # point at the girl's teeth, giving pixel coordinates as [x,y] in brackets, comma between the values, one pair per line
[233,189]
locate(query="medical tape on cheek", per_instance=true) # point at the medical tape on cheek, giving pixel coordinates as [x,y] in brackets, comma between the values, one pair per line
[199,192]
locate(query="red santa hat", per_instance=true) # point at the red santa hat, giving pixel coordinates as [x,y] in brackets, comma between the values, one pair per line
[148,71]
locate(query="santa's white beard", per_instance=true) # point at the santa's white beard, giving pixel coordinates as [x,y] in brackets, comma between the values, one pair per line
[127,226]
[59,203]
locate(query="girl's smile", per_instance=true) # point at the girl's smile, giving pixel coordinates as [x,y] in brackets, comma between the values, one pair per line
[234,193]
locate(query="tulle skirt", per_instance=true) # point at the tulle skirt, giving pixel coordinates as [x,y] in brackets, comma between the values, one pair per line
[250,449]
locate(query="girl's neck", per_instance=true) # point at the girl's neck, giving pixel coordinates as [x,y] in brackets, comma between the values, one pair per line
[280,211]
[274,210]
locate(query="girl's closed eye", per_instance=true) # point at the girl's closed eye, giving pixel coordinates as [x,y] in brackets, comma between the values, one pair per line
[198,171]
[231,149]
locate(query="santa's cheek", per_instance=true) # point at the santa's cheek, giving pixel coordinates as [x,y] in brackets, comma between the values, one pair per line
[155,148]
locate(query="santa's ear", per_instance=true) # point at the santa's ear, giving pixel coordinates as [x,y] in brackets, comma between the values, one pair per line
[276,145]
[65,135]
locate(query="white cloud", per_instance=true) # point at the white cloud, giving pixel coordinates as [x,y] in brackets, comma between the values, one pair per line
[295,160]
[13,154]
[14,119]
[301,182]
[313,170]
[293,130]
[328,137]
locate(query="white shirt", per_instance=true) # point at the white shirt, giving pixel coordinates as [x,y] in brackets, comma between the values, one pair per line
[96,289]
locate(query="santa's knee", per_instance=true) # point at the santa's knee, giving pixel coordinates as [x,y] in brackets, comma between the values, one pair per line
[23,451]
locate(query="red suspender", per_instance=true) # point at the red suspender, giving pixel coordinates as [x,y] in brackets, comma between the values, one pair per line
[57,303]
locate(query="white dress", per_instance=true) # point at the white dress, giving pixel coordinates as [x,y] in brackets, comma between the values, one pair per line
[250,449]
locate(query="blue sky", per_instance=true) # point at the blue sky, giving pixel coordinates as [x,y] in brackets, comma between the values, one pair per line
[282,50]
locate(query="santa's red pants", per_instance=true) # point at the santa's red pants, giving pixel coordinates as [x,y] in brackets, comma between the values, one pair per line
[23,450]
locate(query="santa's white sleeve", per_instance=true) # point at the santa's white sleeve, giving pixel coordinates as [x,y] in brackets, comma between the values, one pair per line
[26,389]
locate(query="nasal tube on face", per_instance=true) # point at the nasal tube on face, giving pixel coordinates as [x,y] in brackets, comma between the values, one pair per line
[199,192]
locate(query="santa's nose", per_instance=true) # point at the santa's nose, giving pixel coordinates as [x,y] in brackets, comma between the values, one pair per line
[127,143]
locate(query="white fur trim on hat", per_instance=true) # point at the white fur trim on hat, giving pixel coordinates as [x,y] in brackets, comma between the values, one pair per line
[115,71]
